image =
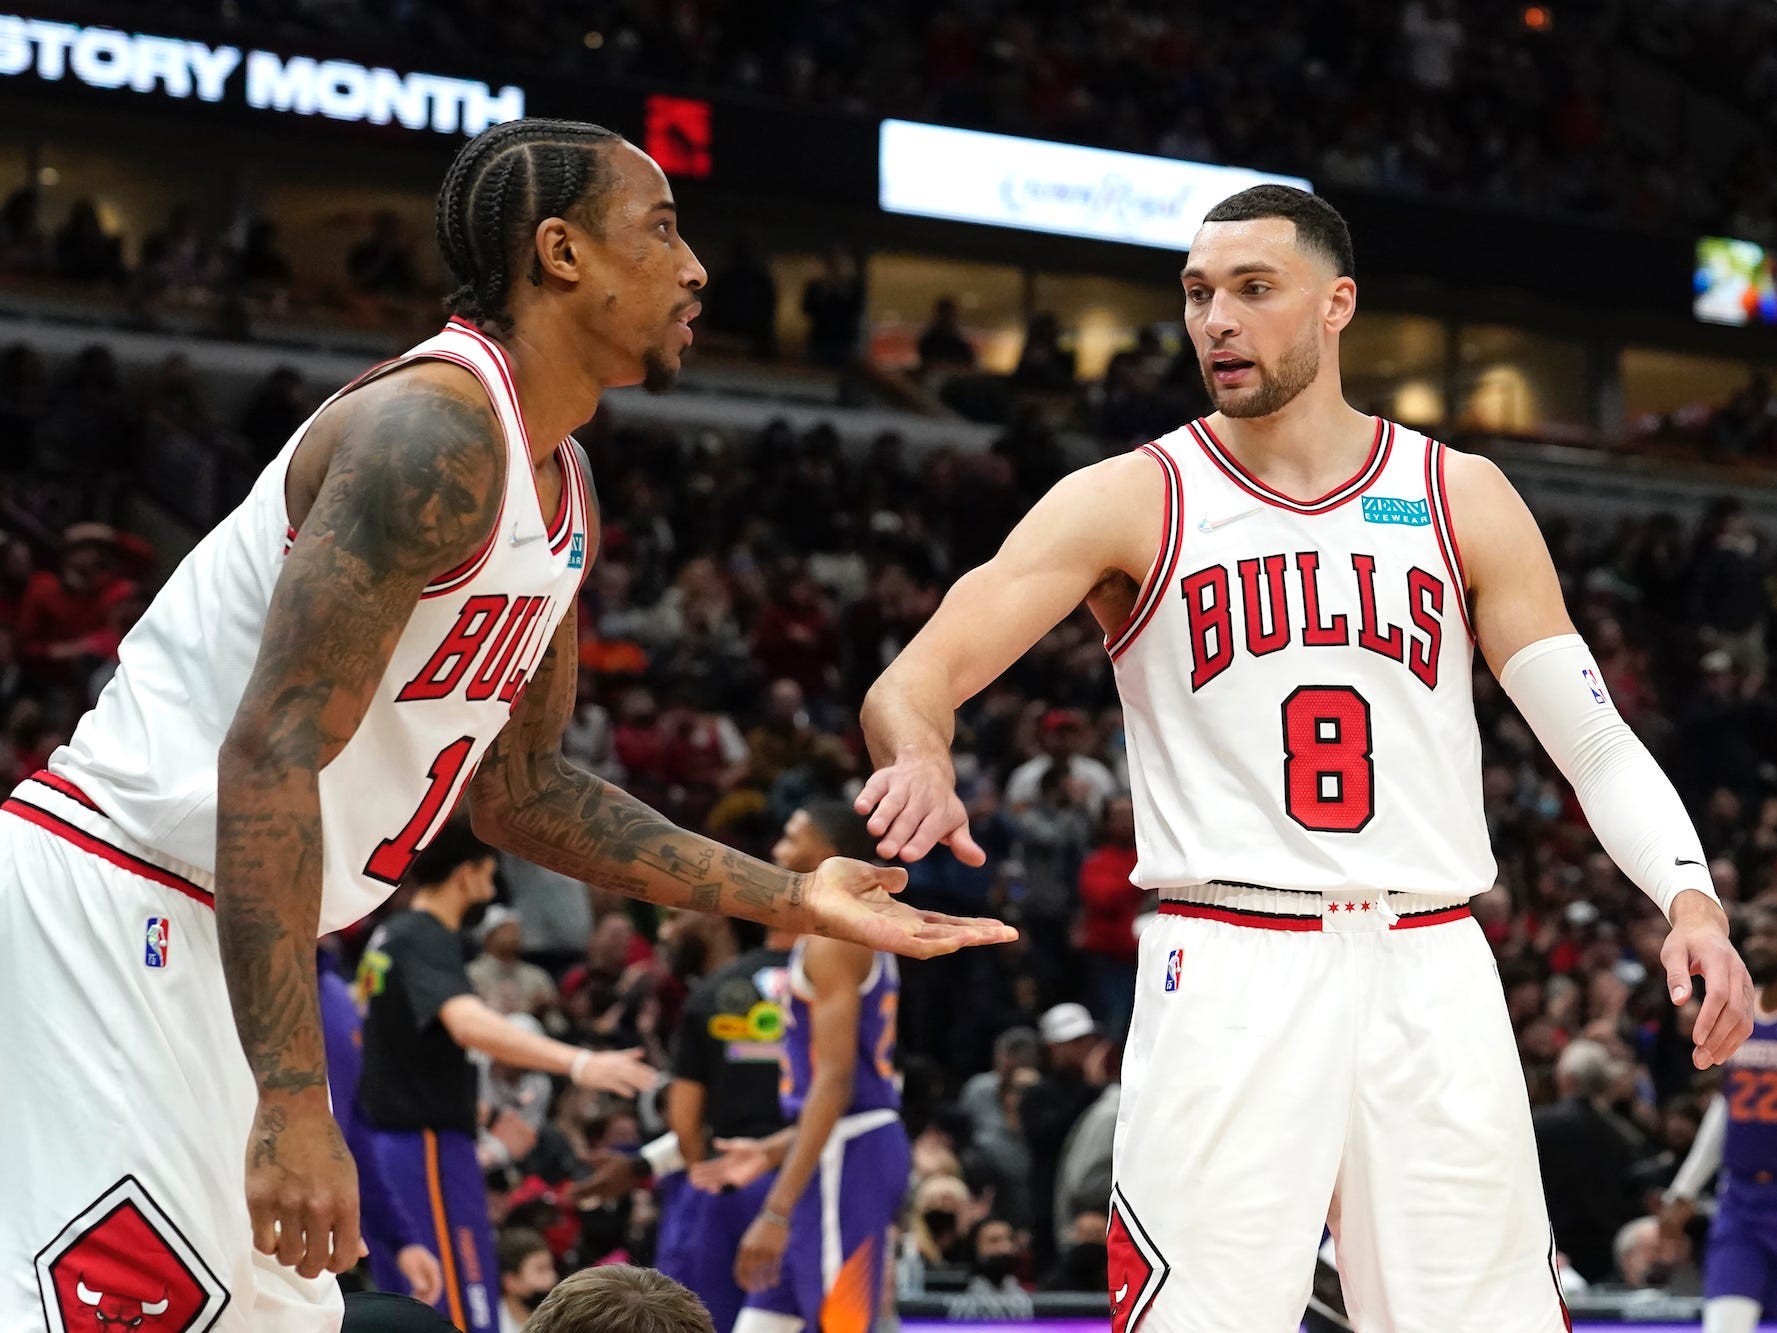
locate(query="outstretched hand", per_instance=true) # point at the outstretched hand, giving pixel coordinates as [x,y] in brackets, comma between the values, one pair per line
[853,900]
[1699,947]
[737,1163]
[913,806]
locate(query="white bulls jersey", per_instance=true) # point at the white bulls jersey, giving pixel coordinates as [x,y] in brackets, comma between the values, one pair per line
[146,753]
[1296,681]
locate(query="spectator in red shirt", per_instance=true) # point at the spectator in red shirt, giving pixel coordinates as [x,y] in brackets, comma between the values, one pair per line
[795,637]
[1109,904]
[63,615]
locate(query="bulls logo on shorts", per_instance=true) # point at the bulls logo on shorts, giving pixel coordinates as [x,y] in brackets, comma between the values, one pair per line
[1136,1269]
[123,1267]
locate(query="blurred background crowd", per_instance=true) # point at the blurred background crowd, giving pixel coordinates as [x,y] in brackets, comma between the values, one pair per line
[748,591]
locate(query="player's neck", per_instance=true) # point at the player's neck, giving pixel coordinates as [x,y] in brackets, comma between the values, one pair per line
[558,381]
[1313,446]
[441,906]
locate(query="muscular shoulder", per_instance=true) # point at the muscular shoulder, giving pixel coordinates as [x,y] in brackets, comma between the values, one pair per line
[410,468]
[1485,508]
[400,420]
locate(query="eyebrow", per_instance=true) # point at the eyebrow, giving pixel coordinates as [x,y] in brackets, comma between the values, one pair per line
[1238,271]
[665,204]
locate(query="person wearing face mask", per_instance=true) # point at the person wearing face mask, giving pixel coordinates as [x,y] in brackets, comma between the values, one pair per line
[1084,1256]
[527,1275]
[994,1291]
[418,1090]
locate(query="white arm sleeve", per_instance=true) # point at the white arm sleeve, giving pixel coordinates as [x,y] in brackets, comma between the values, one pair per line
[1629,802]
[663,1155]
[1704,1158]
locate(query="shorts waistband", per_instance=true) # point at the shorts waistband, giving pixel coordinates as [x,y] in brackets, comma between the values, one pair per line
[59,807]
[1293,909]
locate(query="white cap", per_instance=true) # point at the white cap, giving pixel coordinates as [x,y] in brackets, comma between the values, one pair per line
[1067,1022]
[497,915]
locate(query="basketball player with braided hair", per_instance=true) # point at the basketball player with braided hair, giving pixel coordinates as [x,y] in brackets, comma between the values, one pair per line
[383,630]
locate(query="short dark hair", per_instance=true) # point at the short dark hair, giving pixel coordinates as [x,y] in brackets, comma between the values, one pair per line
[619,1298]
[504,182]
[455,845]
[1319,227]
[516,1244]
[845,830]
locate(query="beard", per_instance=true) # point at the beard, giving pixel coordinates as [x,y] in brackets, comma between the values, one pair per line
[1296,370]
[659,371]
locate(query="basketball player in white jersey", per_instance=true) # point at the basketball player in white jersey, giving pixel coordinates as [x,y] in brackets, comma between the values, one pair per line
[1292,593]
[383,628]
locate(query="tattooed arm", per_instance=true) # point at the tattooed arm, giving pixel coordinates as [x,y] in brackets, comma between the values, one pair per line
[412,487]
[528,799]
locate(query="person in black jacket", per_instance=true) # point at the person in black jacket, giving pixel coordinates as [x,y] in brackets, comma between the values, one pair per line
[1587,1156]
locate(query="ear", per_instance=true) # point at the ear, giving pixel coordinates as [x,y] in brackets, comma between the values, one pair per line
[559,247]
[1341,304]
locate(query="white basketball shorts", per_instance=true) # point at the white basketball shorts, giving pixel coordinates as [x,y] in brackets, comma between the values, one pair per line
[1297,1063]
[124,1095]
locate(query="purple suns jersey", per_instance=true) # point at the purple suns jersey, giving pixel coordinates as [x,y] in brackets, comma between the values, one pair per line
[1749,1146]
[874,1084]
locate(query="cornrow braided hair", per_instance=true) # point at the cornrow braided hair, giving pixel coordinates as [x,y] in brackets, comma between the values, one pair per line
[504,182]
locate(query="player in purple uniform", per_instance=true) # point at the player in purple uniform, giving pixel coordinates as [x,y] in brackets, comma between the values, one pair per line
[1739,1135]
[813,1257]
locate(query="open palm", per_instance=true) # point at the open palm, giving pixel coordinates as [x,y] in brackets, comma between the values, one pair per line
[853,900]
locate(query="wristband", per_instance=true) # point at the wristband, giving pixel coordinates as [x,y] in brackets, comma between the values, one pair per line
[776,1219]
[577,1064]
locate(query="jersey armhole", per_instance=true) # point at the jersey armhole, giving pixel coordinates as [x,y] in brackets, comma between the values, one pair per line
[1166,559]
[1445,530]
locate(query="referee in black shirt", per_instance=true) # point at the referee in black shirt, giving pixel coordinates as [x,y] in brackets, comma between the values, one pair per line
[418,1089]
[725,1085]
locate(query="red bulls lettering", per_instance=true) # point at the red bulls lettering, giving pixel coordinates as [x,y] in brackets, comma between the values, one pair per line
[535,645]
[1207,607]
[1271,623]
[1314,633]
[1259,640]
[1389,644]
[494,663]
[499,637]
[442,673]
[1425,603]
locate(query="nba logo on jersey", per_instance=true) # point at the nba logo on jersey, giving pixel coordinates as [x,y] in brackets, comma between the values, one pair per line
[1594,684]
[577,552]
[1175,963]
[155,941]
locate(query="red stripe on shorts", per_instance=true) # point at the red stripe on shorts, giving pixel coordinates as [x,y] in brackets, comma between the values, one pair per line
[49,823]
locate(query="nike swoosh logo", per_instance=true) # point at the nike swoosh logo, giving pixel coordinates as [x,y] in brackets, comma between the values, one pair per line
[1680,861]
[526,541]
[1208,524]
[1122,1294]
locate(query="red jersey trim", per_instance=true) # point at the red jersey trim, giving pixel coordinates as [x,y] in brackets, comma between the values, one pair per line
[561,527]
[67,788]
[1439,504]
[1172,543]
[1237,916]
[573,510]
[504,365]
[1231,467]
[452,579]
[86,842]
